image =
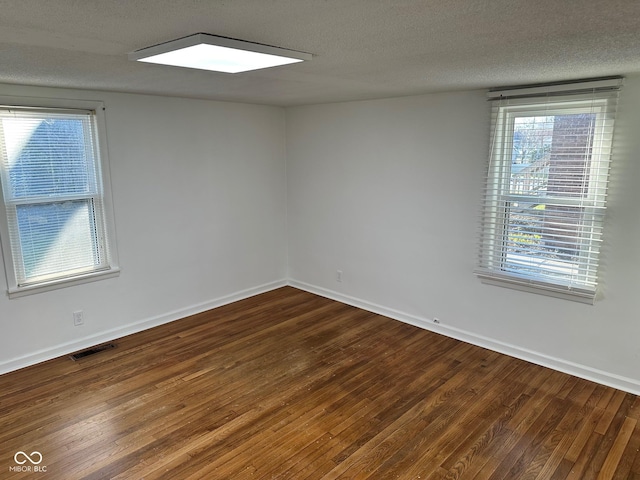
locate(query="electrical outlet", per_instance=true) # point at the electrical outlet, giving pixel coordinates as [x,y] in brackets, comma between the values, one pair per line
[339,276]
[78,318]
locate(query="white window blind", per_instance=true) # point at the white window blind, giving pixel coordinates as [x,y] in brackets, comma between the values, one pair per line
[53,195]
[546,189]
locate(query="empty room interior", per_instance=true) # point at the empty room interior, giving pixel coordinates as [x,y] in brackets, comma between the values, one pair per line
[407,248]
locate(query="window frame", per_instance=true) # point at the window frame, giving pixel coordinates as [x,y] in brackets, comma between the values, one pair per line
[499,196]
[105,216]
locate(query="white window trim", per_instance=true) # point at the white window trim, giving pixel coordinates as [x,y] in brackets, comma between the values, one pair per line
[491,233]
[13,289]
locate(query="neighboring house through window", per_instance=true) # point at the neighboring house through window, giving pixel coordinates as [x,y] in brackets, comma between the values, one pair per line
[56,224]
[542,220]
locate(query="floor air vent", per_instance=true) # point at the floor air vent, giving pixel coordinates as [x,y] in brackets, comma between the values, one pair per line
[92,351]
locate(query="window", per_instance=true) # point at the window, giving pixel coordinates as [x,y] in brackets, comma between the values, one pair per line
[56,222]
[542,220]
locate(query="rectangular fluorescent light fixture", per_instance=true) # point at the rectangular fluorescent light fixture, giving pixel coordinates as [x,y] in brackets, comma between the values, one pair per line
[218,54]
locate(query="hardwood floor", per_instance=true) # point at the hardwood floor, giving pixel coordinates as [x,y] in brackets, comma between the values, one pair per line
[291,385]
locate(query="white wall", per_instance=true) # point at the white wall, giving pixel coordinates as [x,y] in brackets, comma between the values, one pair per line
[199,194]
[388,192]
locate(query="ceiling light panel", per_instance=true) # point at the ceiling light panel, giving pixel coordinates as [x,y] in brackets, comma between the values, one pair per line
[218,54]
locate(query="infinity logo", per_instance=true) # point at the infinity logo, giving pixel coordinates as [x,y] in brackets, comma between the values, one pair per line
[27,457]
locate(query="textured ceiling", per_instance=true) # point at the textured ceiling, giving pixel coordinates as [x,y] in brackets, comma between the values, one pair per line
[362,48]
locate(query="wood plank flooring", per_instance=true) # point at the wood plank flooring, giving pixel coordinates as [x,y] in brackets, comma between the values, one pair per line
[289,385]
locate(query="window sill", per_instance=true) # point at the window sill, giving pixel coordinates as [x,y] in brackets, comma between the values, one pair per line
[557,291]
[17,292]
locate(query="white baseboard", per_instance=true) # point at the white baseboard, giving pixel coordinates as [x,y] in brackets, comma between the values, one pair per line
[109,335]
[605,378]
